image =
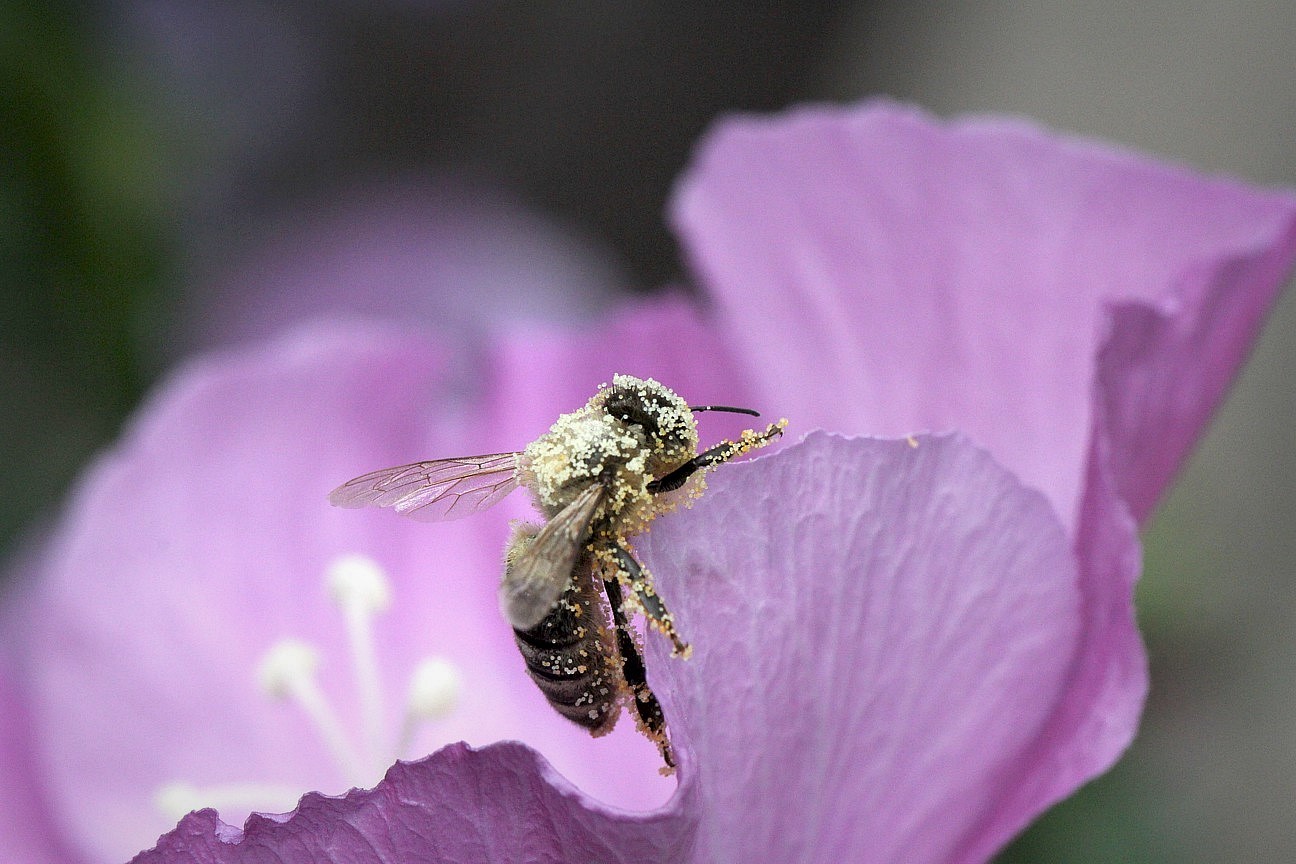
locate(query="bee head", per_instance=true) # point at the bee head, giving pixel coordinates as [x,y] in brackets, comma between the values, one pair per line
[664,417]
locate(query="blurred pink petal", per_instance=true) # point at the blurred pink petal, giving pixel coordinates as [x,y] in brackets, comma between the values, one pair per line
[203,539]
[29,833]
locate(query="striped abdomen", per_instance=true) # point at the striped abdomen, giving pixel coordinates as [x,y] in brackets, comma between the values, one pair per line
[570,657]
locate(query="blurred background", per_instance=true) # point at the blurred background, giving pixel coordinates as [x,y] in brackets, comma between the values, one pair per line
[148,148]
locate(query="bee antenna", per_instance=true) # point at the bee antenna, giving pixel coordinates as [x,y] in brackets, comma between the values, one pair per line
[727,408]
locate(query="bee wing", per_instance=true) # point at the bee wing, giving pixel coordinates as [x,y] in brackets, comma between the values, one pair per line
[537,576]
[435,490]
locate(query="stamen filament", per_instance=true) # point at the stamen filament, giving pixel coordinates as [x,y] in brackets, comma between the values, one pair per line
[288,670]
[433,694]
[361,589]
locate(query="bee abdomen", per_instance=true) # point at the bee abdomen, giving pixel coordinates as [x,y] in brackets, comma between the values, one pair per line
[570,659]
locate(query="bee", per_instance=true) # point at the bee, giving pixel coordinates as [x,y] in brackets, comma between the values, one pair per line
[599,475]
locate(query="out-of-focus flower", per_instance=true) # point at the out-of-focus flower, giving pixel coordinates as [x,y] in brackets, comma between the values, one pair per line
[457,256]
[904,649]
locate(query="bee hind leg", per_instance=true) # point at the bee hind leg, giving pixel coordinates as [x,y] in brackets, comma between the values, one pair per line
[652,722]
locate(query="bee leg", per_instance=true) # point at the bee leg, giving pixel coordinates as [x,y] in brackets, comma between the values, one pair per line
[651,719]
[654,609]
[722,452]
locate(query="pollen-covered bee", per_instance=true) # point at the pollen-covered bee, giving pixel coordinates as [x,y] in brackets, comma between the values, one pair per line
[598,475]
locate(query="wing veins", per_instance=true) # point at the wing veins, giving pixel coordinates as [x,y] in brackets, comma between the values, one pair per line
[433,490]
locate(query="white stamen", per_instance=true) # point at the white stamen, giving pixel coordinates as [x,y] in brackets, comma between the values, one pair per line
[288,671]
[433,693]
[434,688]
[361,589]
[359,579]
[177,799]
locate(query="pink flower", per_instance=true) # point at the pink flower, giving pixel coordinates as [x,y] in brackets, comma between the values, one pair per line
[904,649]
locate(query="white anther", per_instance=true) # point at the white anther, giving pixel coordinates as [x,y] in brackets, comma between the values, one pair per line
[434,689]
[286,666]
[177,799]
[357,580]
[433,693]
[288,670]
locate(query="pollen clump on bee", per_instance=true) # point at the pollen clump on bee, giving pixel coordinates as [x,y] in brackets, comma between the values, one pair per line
[622,437]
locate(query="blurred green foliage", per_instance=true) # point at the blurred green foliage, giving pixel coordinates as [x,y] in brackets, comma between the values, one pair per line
[80,250]
[1109,819]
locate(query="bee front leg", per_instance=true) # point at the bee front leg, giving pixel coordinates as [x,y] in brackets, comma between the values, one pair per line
[633,574]
[722,452]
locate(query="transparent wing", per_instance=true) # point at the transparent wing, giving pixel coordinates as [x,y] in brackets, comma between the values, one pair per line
[536,577]
[435,490]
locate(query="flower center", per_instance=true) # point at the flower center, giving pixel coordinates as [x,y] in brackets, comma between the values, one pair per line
[361,590]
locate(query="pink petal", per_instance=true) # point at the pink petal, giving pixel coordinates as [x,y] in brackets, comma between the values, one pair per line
[961,275]
[1078,310]
[499,804]
[879,635]
[1098,712]
[29,835]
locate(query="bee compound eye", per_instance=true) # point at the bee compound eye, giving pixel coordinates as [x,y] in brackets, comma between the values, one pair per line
[630,412]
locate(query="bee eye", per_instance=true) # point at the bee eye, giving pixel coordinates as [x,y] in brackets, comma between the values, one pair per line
[630,412]
[638,418]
